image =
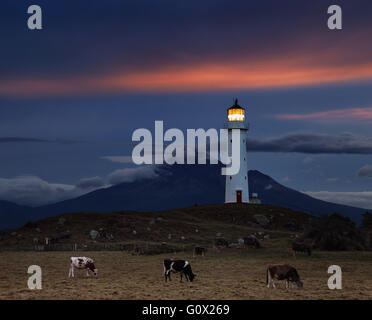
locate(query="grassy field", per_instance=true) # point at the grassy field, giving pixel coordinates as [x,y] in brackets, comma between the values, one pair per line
[229,274]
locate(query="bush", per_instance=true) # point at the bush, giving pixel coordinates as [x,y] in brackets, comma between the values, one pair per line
[336,232]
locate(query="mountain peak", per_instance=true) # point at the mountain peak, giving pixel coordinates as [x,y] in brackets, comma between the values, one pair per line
[176,186]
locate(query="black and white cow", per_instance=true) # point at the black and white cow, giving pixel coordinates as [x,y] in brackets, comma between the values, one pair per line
[82,263]
[282,272]
[181,266]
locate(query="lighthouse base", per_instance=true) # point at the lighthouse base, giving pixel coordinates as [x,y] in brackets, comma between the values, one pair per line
[243,202]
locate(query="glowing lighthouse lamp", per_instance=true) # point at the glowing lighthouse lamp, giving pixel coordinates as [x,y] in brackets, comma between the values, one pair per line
[237,185]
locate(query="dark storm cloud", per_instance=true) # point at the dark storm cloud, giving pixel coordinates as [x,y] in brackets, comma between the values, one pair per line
[313,143]
[93,37]
[21,139]
[17,139]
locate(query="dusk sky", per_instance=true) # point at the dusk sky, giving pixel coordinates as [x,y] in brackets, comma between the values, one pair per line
[72,93]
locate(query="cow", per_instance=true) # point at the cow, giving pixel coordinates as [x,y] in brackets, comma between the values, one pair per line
[181,266]
[252,241]
[282,272]
[199,251]
[301,247]
[82,263]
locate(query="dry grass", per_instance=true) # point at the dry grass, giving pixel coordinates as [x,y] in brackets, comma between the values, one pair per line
[232,220]
[231,274]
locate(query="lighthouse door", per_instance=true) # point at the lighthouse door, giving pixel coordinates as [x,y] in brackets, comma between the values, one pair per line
[239,196]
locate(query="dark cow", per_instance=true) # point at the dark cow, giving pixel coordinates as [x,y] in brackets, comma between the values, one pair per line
[221,242]
[301,247]
[252,241]
[199,251]
[181,266]
[282,272]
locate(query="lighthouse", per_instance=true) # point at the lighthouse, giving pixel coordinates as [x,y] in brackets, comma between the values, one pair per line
[237,185]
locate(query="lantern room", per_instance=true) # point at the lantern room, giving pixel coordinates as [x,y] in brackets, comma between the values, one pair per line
[235,113]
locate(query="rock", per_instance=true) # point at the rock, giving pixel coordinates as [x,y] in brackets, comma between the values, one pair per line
[183,238]
[261,220]
[94,234]
[61,221]
[134,232]
[196,230]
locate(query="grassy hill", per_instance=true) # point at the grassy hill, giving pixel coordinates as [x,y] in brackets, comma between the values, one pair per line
[198,225]
[221,274]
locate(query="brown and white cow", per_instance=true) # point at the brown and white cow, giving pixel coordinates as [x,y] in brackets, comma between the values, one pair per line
[282,272]
[82,263]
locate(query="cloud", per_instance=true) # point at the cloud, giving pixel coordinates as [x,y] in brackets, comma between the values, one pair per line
[88,183]
[365,171]
[361,199]
[22,139]
[118,159]
[133,174]
[313,143]
[360,114]
[332,179]
[34,191]
[195,78]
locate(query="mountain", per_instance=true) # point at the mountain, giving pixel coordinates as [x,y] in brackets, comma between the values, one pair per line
[175,186]
[13,215]
[272,192]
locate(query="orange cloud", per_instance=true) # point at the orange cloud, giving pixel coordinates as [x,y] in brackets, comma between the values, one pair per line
[343,114]
[204,77]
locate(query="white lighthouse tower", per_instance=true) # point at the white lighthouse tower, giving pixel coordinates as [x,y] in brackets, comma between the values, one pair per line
[237,185]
